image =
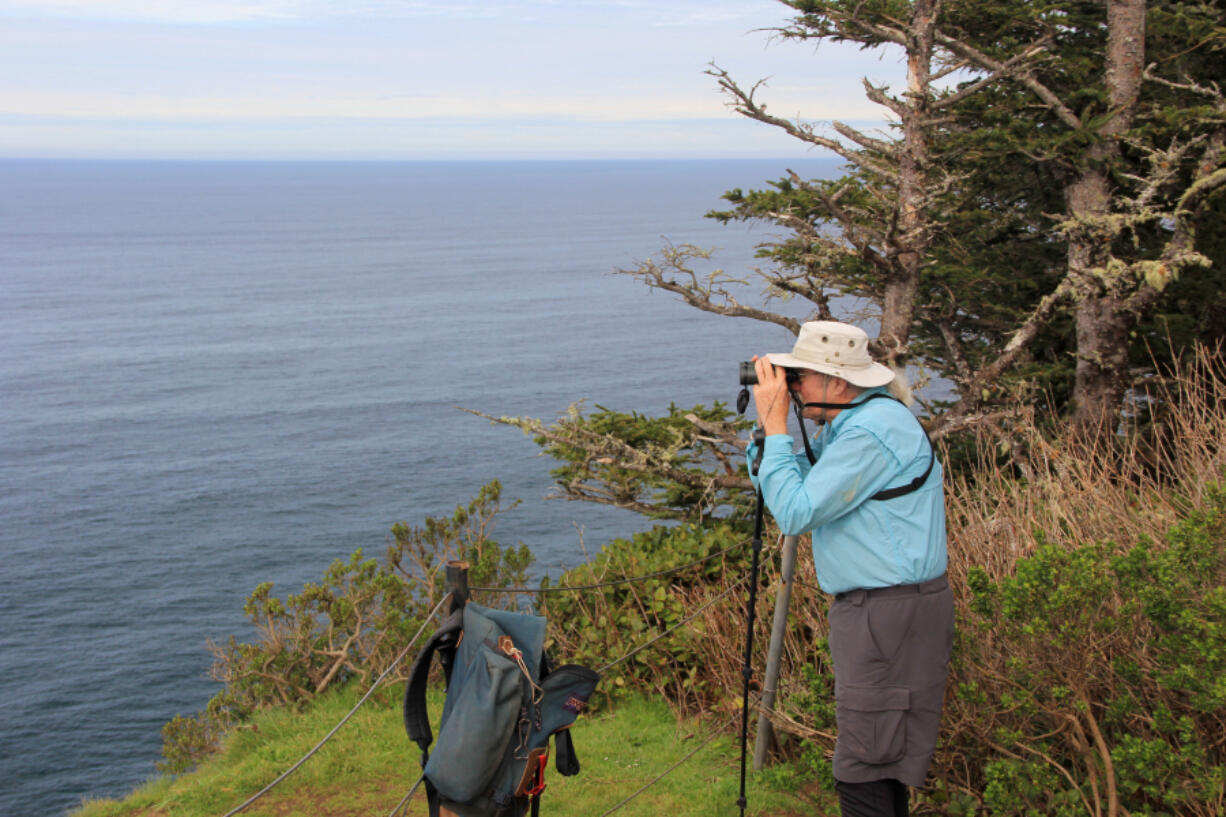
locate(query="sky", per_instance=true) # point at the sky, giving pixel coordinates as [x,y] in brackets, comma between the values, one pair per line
[413,79]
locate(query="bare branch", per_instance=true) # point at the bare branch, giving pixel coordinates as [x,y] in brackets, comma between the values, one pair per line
[1016,71]
[1206,184]
[953,345]
[745,104]
[723,433]
[854,231]
[877,94]
[961,422]
[1008,68]
[578,494]
[1211,91]
[1180,252]
[707,294]
[1018,343]
[953,68]
[862,139]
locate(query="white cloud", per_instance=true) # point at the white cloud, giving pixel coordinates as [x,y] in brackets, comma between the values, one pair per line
[221,69]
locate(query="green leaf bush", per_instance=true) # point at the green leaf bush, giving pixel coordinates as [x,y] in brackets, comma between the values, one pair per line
[349,627]
[596,627]
[1093,679]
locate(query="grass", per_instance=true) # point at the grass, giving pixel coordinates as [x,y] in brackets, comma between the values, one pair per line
[370,764]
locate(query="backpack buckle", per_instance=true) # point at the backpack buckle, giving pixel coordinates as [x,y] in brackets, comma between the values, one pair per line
[508,647]
[533,781]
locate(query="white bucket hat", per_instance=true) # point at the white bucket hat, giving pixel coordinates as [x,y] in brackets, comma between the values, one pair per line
[837,349]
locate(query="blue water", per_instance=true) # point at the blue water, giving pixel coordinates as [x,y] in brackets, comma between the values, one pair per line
[217,374]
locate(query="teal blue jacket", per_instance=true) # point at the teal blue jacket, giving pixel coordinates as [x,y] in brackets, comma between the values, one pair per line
[860,542]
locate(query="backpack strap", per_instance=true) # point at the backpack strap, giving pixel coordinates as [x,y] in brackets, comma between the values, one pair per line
[913,485]
[888,493]
[416,718]
[565,760]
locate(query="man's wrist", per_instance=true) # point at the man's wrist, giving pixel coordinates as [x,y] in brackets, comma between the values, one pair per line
[772,427]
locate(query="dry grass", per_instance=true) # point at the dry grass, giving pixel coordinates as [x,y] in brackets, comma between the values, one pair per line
[1079,490]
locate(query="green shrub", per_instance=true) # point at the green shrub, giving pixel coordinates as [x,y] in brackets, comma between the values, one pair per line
[1093,678]
[595,627]
[686,465]
[351,626]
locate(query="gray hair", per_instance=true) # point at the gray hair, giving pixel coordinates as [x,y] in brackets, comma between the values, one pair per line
[900,388]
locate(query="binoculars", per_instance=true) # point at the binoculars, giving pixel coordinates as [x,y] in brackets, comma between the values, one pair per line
[749,375]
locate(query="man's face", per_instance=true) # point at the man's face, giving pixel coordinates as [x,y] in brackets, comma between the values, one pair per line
[809,385]
[815,387]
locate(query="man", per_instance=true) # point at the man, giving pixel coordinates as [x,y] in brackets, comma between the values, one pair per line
[874,504]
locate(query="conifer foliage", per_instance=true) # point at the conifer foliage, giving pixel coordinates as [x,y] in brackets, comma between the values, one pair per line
[1037,218]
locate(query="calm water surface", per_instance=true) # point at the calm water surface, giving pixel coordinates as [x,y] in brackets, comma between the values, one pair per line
[217,374]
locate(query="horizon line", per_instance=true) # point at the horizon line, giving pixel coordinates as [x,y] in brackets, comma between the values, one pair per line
[405,160]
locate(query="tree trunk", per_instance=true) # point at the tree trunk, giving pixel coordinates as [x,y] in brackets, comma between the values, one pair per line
[902,286]
[1103,328]
[1103,320]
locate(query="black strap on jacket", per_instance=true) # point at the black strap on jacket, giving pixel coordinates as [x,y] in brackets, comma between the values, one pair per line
[888,493]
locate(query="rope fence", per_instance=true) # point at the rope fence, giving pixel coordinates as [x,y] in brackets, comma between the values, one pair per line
[404,801]
[727,591]
[345,719]
[706,605]
[715,733]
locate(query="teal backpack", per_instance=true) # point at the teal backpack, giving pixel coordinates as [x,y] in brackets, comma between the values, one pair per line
[504,702]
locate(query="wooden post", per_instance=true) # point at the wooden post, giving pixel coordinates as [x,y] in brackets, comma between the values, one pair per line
[766,734]
[455,582]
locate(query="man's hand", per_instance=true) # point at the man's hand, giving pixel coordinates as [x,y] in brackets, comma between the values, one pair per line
[771,397]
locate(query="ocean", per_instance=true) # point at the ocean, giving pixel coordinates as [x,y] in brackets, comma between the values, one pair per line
[217,374]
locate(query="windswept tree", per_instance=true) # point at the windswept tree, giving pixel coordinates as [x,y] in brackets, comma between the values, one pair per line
[866,234]
[1044,192]
[1042,185]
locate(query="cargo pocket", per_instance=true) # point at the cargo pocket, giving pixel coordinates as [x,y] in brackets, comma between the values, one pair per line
[873,723]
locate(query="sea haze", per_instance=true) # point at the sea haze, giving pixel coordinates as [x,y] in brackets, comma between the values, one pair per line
[218,374]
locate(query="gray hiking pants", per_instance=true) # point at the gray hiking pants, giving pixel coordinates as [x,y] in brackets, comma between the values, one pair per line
[890,648]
